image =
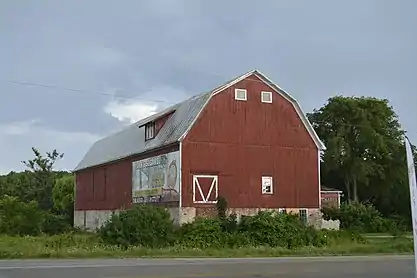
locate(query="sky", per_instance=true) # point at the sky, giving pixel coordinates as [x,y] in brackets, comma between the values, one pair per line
[74,71]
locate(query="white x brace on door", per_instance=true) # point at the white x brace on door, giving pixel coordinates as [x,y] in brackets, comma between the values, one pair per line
[212,191]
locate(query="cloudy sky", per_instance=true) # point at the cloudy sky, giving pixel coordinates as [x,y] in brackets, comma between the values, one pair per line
[98,65]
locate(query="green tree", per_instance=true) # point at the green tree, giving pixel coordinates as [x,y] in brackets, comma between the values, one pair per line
[63,192]
[19,218]
[43,176]
[362,135]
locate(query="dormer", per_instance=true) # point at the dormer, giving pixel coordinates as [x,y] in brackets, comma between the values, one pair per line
[150,131]
[155,123]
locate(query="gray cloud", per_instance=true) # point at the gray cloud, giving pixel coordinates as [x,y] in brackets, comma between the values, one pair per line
[166,51]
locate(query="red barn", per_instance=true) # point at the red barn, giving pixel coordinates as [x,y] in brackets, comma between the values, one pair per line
[247,141]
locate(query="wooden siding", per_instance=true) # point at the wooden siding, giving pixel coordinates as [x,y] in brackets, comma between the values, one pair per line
[159,123]
[330,199]
[109,187]
[241,141]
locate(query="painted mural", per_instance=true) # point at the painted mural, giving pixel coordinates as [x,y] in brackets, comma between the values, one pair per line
[156,179]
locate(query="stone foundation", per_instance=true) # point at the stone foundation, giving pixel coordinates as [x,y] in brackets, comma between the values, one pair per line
[93,219]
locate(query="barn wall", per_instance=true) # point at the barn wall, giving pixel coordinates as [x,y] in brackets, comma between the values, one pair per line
[109,187]
[240,141]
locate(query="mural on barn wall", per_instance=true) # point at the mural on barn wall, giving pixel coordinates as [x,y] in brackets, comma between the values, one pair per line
[156,179]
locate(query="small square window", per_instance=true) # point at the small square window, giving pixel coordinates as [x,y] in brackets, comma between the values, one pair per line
[149,130]
[266,97]
[267,187]
[240,94]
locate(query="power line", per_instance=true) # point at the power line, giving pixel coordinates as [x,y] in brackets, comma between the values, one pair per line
[129,97]
[24,83]
[84,91]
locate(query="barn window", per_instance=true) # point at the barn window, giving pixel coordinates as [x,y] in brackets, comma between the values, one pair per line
[303,216]
[149,130]
[267,187]
[240,94]
[266,97]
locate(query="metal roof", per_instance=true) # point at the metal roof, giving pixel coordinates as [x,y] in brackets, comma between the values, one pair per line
[131,140]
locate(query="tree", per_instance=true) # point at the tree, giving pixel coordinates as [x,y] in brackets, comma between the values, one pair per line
[43,176]
[63,193]
[362,136]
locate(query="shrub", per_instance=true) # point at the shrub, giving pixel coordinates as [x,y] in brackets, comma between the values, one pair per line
[271,229]
[202,233]
[360,217]
[221,207]
[143,225]
[55,224]
[20,218]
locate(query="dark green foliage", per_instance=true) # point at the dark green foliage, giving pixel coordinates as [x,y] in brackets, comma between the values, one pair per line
[221,206]
[203,233]
[55,224]
[141,226]
[365,154]
[363,218]
[20,218]
[263,229]
[39,193]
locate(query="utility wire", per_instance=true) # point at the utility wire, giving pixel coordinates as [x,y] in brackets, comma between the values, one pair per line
[84,91]
[24,83]
[129,97]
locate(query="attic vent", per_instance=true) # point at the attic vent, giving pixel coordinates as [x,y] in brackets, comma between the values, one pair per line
[266,97]
[149,131]
[240,94]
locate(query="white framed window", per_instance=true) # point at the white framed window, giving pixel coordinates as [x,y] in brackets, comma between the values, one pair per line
[149,130]
[241,94]
[267,186]
[266,97]
[282,210]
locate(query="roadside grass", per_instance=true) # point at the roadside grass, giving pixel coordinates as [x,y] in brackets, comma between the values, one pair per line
[89,246]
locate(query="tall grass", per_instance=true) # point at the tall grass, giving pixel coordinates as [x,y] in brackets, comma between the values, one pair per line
[90,246]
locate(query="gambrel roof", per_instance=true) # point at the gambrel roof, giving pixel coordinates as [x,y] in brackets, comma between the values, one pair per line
[131,140]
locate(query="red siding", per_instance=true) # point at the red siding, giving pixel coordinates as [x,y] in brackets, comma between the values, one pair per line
[159,123]
[240,141]
[109,187]
[329,199]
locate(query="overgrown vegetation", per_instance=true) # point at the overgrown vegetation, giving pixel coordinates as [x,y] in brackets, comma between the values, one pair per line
[265,234]
[38,200]
[149,226]
[364,218]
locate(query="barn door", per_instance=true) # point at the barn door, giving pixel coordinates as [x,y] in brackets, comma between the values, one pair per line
[205,189]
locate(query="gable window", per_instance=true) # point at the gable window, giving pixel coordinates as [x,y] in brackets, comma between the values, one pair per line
[240,94]
[267,187]
[266,97]
[149,130]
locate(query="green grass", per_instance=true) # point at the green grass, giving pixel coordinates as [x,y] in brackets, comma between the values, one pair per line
[89,246]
